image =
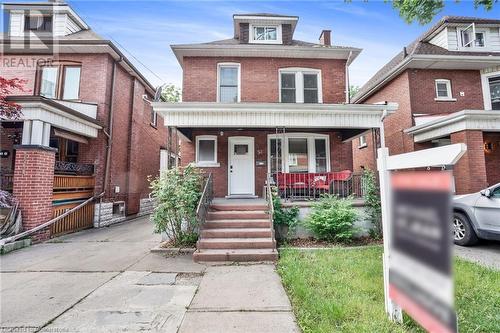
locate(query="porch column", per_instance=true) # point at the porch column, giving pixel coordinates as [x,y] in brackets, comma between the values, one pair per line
[36,132]
[33,186]
[470,171]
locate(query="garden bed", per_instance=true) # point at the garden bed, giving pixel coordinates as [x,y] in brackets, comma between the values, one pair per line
[341,290]
[312,242]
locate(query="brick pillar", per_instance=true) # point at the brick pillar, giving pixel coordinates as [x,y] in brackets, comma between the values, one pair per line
[33,185]
[470,171]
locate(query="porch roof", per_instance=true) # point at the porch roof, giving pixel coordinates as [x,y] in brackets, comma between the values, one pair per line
[272,115]
[455,122]
[70,116]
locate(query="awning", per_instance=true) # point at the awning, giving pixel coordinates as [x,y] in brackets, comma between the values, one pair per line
[70,136]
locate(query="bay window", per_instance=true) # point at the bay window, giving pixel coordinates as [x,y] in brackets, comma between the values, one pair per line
[60,82]
[300,153]
[300,85]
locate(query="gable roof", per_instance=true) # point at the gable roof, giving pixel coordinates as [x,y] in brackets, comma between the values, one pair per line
[421,46]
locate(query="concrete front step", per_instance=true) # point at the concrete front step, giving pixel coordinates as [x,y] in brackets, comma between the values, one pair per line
[232,207]
[236,243]
[239,255]
[235,214]
[237,233]
[238,223]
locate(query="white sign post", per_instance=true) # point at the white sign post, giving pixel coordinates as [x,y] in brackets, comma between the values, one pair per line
[434,157]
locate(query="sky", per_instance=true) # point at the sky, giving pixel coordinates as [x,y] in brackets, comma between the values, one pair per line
[144,30]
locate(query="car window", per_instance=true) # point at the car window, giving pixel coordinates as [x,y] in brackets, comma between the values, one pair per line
[495,193]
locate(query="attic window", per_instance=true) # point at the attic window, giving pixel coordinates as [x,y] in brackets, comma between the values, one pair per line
[266,34]
[42,23]
[470,37]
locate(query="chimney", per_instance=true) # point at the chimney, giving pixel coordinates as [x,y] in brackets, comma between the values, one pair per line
[325,38]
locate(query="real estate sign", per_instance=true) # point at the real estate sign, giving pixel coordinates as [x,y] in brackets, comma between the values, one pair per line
[420,261]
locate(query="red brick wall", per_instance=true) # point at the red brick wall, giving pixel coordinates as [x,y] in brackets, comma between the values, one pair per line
[340,156]
[363,157]
[470,170]
[423,91]
[6,143]
[492,159]
[33,183]
[136,145]
[398,91]
[259,78]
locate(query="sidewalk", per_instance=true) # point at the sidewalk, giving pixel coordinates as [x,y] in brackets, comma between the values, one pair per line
[240,299]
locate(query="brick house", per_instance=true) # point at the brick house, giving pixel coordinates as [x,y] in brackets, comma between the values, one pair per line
[447,85]
[263,107]
[86,125]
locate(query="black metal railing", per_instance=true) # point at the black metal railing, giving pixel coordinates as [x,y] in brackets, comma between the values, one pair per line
[310,186]
[70,168]
[205,201]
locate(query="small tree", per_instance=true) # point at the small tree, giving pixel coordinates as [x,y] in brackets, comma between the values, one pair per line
[10,110]
[171,93]
[372,201]
[177,193]
[286,218]
[353,90]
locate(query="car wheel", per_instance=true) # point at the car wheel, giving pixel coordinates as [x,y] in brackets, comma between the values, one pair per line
[463,233]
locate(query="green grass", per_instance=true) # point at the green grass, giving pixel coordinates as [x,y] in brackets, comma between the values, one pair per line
[340,290]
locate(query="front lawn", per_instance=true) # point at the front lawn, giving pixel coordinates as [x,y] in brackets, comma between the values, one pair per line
[340,290]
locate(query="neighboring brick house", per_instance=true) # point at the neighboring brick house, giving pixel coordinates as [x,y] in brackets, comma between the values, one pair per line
[447,85]
[87,126]
[264,103]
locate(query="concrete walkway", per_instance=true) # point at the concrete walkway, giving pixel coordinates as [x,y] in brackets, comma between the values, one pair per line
[106,280]
[240,299]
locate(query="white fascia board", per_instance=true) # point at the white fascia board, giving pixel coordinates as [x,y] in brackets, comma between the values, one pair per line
[455,122]
[268,50]
[439,156]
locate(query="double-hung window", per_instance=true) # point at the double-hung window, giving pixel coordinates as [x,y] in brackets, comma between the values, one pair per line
[443,90]
[60,82]
[300,86]
[228,87]
[206,150]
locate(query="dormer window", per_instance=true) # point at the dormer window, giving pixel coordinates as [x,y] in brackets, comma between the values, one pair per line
[266,34]
[471,38]
[38,23]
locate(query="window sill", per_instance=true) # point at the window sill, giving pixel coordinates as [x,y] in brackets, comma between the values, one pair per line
[207,165]
[363,146]
[153,125]
[445,99]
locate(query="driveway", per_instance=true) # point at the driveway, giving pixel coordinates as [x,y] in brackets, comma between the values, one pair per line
[103,280]
[106,280]
[486,253]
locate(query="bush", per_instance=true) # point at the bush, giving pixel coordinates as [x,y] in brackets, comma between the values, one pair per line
[284,217]
[177,193]
[332,219]
[372,201]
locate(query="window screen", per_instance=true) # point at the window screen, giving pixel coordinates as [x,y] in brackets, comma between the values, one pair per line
[288,88]
[228,89]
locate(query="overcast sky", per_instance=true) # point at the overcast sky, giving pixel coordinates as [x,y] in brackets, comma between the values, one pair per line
[145,29]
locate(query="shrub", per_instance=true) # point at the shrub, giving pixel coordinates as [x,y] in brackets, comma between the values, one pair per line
[177,192]
[372,201]
[284,217]
[332,219]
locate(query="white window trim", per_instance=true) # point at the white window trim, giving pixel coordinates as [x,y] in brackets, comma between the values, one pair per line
[228,64]
[154,123]
[311,150]
[448,98]
[299,82]
[473,46]
[206,163]
[486,89]
[362,141]
[251,39]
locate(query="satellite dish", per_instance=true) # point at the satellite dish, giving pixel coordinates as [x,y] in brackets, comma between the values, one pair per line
[158,94]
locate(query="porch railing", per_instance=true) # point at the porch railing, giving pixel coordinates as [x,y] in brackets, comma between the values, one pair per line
[205,201]
[61,167]
[310,186]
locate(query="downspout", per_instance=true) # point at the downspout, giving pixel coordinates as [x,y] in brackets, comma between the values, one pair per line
[129,146]
[109,134]
[347,92]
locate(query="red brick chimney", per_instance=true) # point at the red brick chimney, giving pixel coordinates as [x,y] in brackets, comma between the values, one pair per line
[325,38]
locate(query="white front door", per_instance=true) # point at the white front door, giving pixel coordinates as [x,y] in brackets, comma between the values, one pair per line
[241,166]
